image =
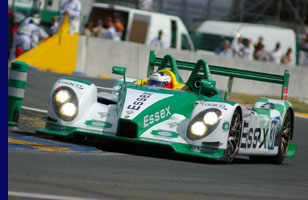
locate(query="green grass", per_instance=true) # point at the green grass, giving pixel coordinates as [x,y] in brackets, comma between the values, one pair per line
[298,105]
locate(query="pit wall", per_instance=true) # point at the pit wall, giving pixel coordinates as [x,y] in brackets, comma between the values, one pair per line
[96,57]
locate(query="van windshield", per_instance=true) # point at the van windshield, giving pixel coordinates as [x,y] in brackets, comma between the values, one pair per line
[209,42]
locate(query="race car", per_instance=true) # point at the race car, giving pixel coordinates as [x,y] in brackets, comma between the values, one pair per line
[191,117]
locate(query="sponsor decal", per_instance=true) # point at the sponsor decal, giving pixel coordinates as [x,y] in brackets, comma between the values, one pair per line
[204,149]
[100,124]
[218,105]
[256,138]
[72,84]
[251,138]
[163,133]
[225,126]
[136,105]
[150,119]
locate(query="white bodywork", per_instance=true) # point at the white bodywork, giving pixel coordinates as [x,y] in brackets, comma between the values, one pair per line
[257,136]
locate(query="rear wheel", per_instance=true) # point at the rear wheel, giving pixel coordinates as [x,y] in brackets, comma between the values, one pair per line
[283,138]
[234,137]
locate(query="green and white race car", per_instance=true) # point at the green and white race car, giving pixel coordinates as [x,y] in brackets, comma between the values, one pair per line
[191,117]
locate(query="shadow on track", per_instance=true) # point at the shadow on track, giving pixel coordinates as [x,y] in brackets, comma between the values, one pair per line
[146,150]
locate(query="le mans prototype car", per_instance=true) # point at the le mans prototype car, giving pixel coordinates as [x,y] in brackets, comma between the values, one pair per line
[192,117]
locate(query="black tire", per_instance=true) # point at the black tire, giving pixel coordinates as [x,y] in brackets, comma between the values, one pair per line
[234,137]
[283,138]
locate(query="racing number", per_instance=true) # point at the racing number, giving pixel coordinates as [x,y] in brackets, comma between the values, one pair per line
[274,128]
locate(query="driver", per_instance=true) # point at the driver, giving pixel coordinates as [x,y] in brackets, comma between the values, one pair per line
[160,79]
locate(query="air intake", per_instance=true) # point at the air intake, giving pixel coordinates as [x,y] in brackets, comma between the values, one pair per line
[127,129]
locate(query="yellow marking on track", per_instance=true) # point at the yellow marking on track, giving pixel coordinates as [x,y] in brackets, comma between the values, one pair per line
[301,114]
[104,76]
[34,121]
[41,147]
[247,105]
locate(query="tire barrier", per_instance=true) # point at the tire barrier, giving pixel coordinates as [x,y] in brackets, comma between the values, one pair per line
[16,90]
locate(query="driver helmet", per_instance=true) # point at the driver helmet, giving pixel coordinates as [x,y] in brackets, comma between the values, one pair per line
[159,79]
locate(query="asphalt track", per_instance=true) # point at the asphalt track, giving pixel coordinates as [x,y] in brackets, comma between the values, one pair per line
[45,168]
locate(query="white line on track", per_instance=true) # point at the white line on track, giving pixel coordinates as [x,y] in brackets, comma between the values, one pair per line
[34,109]
[45,196]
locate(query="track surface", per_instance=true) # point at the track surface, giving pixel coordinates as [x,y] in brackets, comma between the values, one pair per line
[123,173]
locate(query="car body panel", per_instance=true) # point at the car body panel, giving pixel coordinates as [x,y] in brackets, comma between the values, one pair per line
[138,113]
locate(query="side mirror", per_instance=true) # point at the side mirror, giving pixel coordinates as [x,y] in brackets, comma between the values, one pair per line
[119,71]
[207,87]
[208,83]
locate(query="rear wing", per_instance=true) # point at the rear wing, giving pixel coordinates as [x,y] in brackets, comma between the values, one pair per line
[169,62]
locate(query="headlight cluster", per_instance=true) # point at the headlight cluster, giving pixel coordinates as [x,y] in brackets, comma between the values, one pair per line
[65,103]
[203,123]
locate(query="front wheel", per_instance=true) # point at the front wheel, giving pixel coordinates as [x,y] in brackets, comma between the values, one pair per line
[234,137]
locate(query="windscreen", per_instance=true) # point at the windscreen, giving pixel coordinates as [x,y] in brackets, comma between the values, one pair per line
[210,42]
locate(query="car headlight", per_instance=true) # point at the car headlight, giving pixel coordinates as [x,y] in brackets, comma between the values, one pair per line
[203,123]
[210,118]
[62,96]
[198,129]
[65,103]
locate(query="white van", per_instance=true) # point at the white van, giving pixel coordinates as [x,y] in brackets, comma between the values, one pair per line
[143,26]
[210,35]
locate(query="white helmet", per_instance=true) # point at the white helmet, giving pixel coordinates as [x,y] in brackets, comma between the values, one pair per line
[159,79]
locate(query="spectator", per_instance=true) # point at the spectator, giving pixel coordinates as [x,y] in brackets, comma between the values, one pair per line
[30,35]
[226,51]
[107,23]
[145,5]
[17,34]
[10,30]
[258,45]
[286,58]
[261,54]
[275,55]
[248,50]
[114,32]
[54,25]
[237,47]
[118,18]
[72,8]
[99,30]
[88,31]
[303,53]
[157,41]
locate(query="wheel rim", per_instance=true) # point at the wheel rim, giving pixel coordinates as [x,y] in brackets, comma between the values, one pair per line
[234,135]
[286,133]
